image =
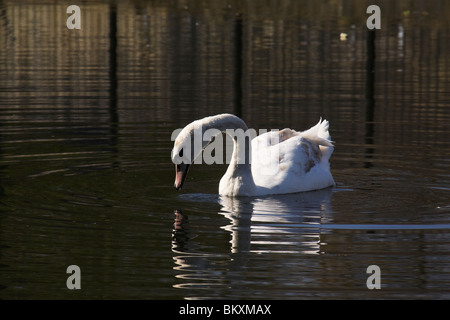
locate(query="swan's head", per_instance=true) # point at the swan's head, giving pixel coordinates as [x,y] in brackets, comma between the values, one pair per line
[192,139]
[181,171]
[187,147]
[182,156]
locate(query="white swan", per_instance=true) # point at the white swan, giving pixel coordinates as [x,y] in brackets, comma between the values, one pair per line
[282,162]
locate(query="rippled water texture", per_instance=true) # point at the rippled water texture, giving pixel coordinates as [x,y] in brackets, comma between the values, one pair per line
[86,118]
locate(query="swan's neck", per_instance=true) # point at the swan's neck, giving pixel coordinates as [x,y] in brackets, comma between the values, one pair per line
[240,160]
[238,179]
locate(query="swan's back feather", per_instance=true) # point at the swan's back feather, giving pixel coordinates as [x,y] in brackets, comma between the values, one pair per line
[290,161]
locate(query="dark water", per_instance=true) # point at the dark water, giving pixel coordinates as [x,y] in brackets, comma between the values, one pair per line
[86,179]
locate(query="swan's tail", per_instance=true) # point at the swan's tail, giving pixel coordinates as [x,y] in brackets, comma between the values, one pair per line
[319,135]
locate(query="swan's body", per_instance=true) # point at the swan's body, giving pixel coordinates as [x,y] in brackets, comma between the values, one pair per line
[282,162]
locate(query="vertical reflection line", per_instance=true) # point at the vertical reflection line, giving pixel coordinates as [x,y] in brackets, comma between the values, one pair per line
[114,118]
[237,74]
[370,100]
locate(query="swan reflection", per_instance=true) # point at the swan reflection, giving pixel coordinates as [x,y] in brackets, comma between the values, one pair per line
[281,224]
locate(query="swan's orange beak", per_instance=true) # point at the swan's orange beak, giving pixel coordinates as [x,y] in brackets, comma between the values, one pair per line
[181,171]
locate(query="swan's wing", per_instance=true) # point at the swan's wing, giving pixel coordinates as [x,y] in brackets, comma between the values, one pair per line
[297,158]
[265,159]
[274,156]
